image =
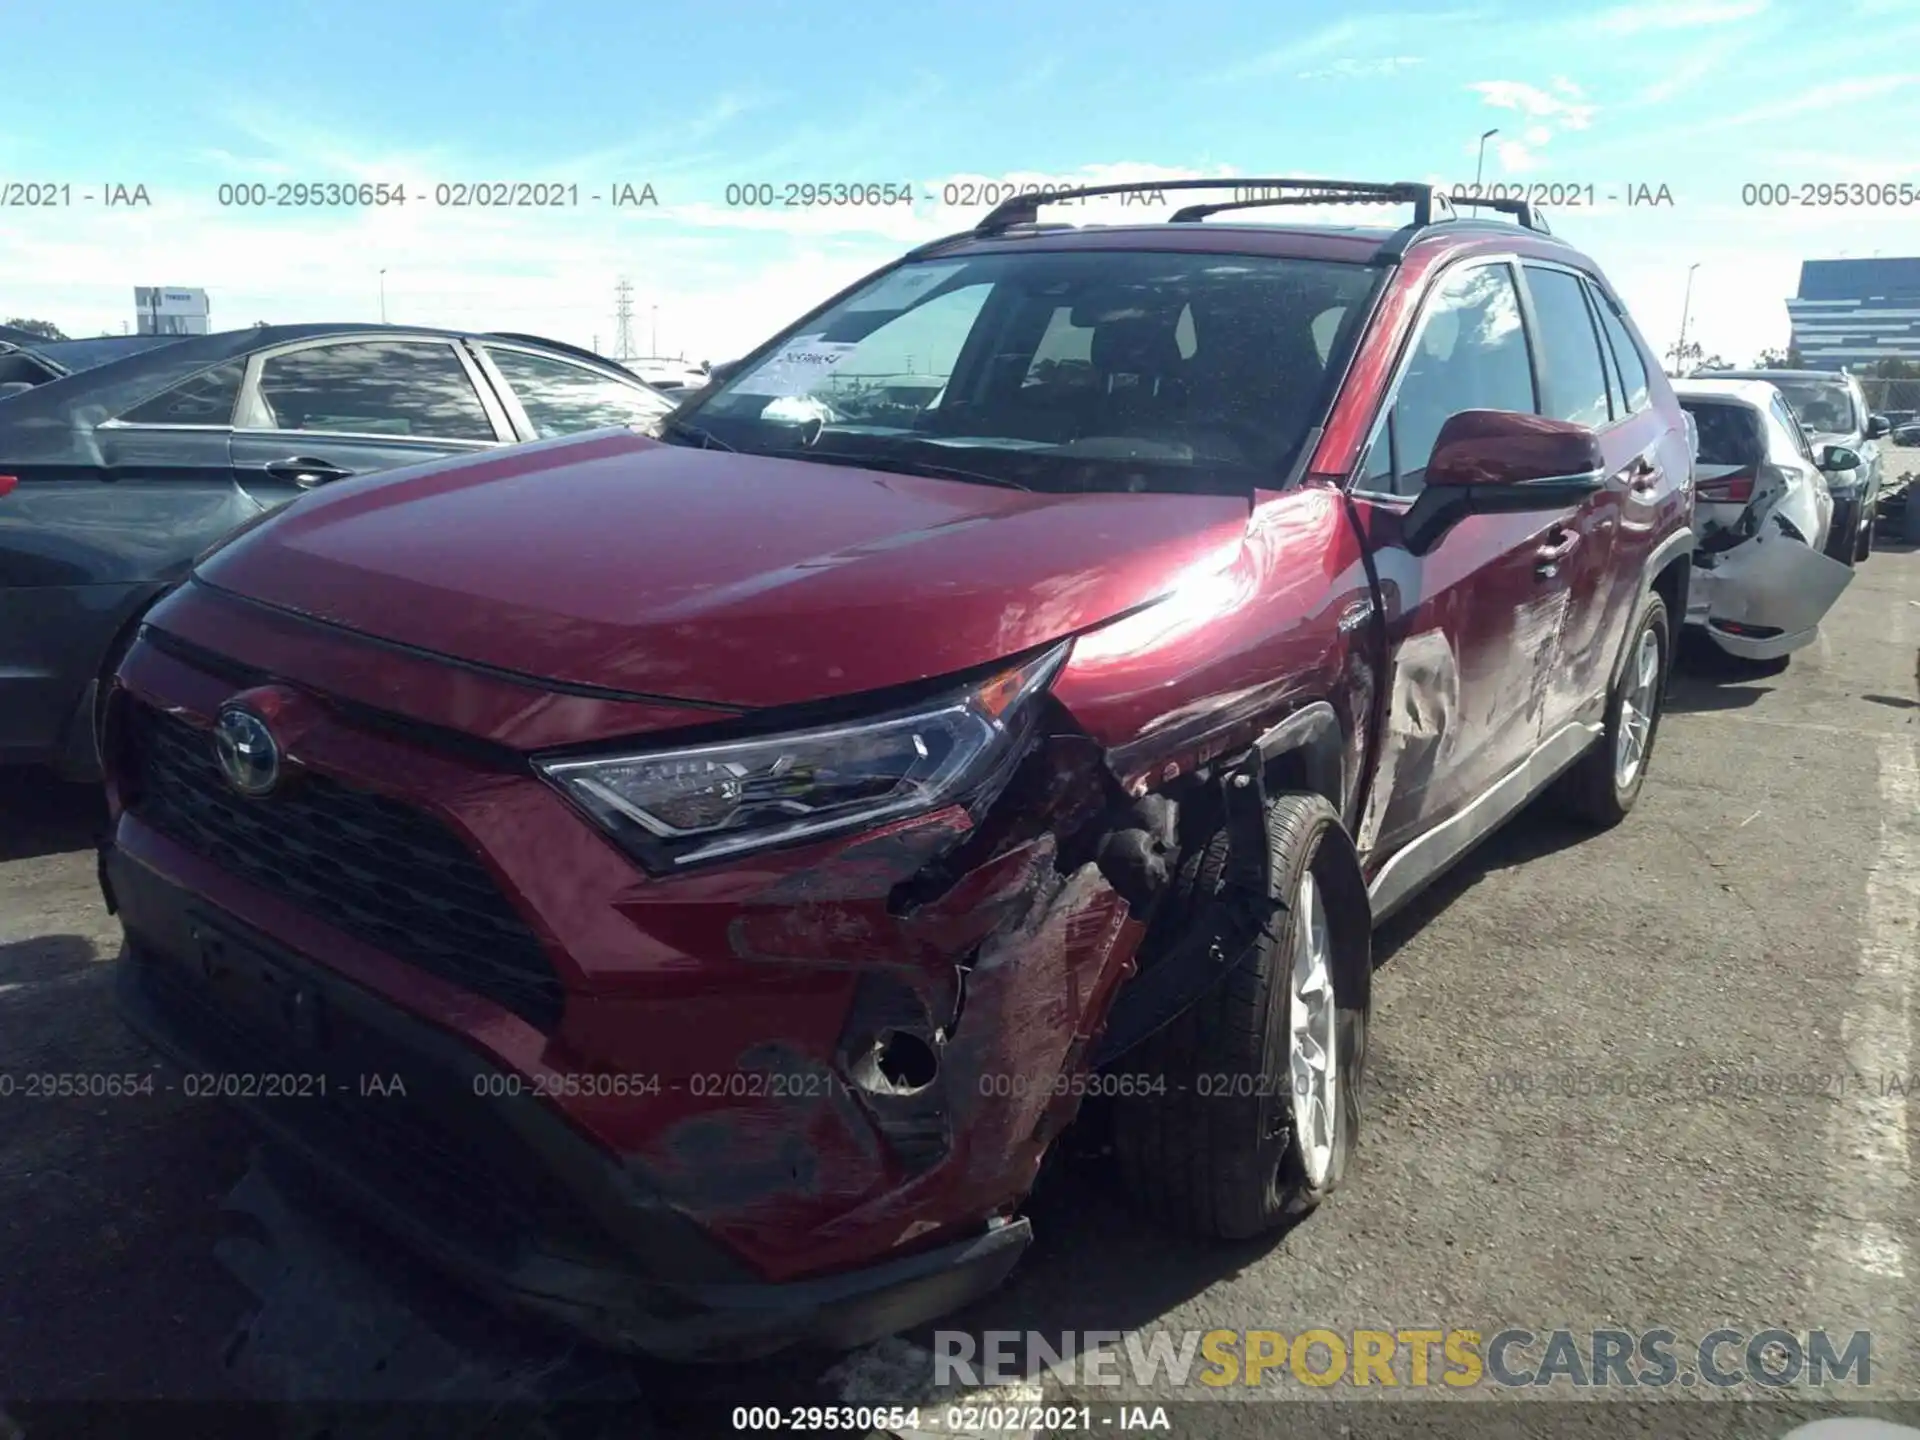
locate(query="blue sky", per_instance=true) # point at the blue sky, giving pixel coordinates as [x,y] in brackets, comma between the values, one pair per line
[1701,96]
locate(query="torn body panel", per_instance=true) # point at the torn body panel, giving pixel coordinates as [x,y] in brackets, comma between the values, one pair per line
[1765,597]
[1280,619]
[1805,505]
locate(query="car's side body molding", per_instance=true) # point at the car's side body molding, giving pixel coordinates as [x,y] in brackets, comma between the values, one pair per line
[1423,859]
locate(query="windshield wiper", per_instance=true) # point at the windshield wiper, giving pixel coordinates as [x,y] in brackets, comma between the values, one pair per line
[901,465]
[934,468]
[705,439]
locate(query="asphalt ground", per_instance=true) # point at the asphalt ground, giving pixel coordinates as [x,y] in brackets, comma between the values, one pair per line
[1656,1078]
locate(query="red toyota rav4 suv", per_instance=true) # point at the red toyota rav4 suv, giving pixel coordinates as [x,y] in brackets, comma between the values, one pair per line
[1029,677]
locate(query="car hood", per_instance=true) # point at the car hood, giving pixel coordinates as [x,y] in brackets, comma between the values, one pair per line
[620,562]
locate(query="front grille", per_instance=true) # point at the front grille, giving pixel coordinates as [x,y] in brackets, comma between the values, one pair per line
[376,868]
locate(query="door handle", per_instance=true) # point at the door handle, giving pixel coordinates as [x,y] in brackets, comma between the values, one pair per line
[1546,560]
[304,472]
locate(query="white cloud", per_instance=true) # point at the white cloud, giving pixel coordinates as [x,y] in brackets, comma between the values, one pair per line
[1569,110]
[1345,43]
[1362,69]
[1320,44]
[1546,113]
[1828,95]
[1681,15]
[1514,157]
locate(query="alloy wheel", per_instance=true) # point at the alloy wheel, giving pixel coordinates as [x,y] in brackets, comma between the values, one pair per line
[1637,708]
[1313,1060]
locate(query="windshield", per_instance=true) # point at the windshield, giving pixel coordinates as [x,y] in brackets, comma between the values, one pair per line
[1077,370]
[1822,405]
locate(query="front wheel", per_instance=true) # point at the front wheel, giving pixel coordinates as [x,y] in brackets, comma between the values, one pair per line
[1603,784]
[1256,1105]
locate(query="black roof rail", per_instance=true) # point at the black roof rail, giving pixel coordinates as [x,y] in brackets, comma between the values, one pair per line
[931,246]
[1521,210]
[1024,209]
[1439,203]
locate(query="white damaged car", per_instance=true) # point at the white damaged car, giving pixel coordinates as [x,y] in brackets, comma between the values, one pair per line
[1761,583]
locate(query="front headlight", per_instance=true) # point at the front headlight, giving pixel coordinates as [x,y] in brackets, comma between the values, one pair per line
[679,807]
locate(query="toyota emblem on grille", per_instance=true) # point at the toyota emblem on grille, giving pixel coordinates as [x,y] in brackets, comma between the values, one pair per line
[246,750]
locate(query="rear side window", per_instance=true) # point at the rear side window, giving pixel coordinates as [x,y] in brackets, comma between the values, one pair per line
[203,399]
[1626,354]
[1729,434]
[1784,414]
[379,387]
[561,398]
[1471,354]
[1572,374]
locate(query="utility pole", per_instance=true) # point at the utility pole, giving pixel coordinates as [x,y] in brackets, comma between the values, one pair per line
[383,295]
[1686,305]
[1481,164]
[654,344]
[623,321]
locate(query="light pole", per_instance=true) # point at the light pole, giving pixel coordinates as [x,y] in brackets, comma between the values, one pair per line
[1686,305]
[654,318]
[1480,164]
[383,296]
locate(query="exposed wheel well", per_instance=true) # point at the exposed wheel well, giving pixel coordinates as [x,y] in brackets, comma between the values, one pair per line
[1289,770]
[1306,753]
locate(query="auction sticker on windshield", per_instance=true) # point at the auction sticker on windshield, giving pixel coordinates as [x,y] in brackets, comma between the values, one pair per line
[800,365]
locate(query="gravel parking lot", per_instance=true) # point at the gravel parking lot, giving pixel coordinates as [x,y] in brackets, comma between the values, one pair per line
[1651,1078]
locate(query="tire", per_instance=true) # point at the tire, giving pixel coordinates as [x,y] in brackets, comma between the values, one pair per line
[1216,1149]
[1843,538]
[1864,546]
[1593,790]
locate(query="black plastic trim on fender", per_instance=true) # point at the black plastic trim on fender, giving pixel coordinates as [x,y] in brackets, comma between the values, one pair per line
[1314,732]
[1683,542]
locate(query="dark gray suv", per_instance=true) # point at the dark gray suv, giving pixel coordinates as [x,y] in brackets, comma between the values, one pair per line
[1832,409]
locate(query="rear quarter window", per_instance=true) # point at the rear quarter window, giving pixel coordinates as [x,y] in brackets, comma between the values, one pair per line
[204,399]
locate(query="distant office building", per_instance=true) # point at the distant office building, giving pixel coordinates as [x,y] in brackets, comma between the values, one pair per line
[1853,312]
[170,310]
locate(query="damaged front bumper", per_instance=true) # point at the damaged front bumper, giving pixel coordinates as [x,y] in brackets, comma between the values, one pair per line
[1764,598]
[464,1164]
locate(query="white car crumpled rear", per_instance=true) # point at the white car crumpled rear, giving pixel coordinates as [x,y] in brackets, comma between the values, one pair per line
[1774,580]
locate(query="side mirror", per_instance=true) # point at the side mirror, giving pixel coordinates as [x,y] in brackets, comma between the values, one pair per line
[1488,462]
[1839,457]
[725,370]
[1878,425]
